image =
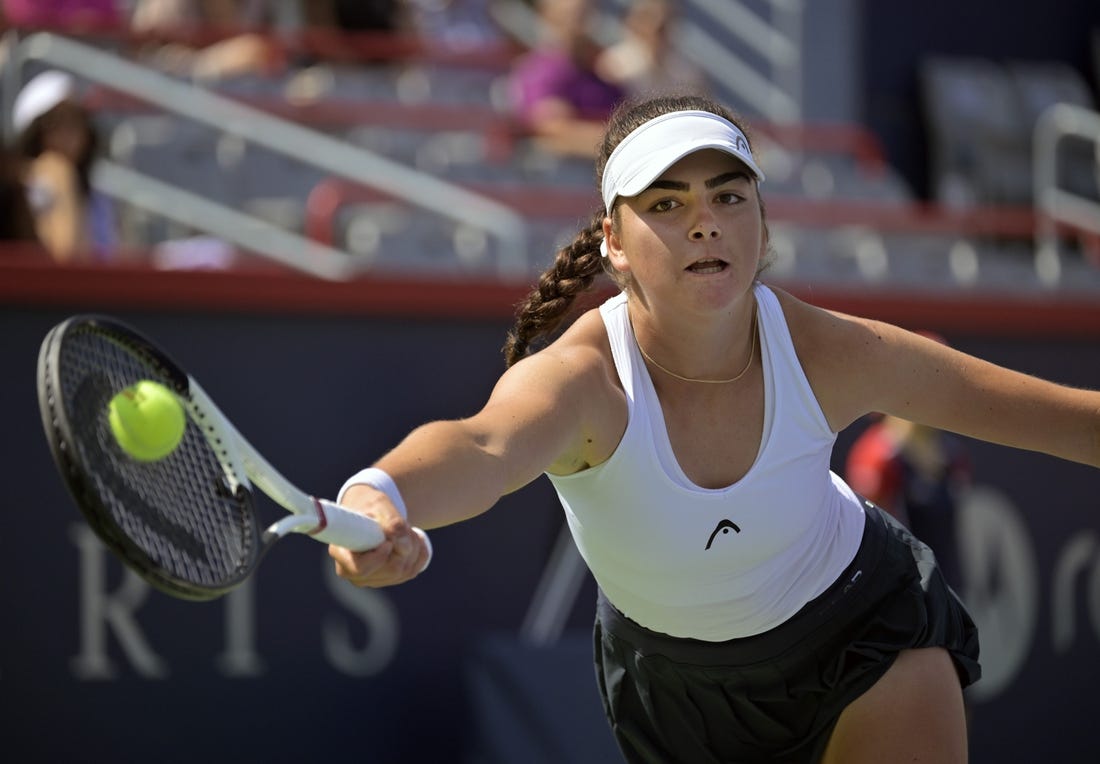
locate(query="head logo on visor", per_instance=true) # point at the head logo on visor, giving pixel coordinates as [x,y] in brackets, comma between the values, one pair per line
[648,151]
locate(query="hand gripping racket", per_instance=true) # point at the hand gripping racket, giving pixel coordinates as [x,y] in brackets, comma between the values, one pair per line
[187,523]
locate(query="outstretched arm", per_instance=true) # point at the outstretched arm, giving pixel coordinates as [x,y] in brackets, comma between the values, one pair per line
[537,419]
[857,366]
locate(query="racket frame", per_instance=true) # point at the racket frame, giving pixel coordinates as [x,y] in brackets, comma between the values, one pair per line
[242,465]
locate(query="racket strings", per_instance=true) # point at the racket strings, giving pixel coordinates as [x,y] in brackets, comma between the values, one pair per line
[178,511]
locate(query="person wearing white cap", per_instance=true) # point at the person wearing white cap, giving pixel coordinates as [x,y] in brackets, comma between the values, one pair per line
[752,607]
[57,140]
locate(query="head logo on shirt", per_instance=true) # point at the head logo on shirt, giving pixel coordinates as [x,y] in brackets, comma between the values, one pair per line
[723,527]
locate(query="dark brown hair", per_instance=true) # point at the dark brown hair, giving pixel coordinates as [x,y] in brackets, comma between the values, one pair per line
[577,265]
[16,218]
[32,141]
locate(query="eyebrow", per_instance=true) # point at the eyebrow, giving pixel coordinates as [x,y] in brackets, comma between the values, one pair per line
[718,180]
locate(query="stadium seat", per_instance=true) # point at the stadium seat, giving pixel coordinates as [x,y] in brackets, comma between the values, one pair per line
[1040,85]
[978,138]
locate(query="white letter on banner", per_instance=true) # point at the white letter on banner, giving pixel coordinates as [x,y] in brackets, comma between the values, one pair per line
[1001,586]
[240,657]
[98,610]
[1073,560]
[1094,599]
[379,617]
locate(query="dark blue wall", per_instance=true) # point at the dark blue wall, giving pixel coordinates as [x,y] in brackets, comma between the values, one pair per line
[324,395]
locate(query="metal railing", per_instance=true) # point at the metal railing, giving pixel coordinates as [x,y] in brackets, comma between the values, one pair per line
[774,91]
[1055,206]
[302,144]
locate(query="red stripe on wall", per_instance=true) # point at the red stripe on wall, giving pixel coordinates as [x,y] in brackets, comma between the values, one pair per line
[33,281]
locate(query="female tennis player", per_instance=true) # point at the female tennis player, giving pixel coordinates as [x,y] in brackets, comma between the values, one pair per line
[752,607]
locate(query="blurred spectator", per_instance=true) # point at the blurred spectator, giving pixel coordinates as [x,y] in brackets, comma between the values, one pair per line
[917,474]
[33,13]
[554,88]
[351,17]
[358,15]
[240,54]
[57,142]
[645,62]
[257,49]
[456,22]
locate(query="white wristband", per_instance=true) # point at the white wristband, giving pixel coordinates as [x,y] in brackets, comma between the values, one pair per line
[379,479]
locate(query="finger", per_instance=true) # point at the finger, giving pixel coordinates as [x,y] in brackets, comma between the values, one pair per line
[411,555]
[351,564]
[402,563]
[406,545]
[426,552]
[393,562]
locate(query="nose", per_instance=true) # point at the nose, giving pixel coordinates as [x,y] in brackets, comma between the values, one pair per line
[706,227]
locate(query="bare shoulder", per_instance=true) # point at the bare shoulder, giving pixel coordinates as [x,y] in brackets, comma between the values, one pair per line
[577,371]
[826,337]
[581,355]
[859,365]
[586,342]
[848,360]
[574,380]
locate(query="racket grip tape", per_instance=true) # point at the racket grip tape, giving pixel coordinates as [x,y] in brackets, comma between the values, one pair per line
[355,531]
[345,528]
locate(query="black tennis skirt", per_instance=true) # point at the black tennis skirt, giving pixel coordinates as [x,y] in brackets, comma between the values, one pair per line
[775,697]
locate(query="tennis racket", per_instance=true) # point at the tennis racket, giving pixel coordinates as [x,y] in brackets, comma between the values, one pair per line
[188,523]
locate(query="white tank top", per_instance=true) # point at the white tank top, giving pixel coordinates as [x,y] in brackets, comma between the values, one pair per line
[714,564]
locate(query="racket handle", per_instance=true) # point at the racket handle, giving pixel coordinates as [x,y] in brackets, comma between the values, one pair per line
[347,529]
[355,531]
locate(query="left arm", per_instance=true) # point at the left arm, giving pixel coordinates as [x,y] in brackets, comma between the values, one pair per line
[858,365]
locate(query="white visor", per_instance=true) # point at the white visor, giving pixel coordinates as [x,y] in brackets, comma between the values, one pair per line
[641,157]
[39,95]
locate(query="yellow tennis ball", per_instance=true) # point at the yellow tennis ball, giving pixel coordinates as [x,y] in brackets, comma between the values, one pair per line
[147,420]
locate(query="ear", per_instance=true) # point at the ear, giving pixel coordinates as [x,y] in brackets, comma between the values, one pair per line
[614,247]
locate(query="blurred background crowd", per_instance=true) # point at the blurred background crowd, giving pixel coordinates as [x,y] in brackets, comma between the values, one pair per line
[899,148]
[368,186]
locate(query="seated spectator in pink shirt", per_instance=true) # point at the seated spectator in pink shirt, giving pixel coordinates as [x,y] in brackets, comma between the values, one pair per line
[645,61]
[32,13]
[554,88]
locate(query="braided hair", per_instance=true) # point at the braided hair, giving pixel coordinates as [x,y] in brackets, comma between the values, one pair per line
[578,264]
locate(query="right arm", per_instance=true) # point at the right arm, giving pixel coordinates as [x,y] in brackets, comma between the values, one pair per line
[546,413]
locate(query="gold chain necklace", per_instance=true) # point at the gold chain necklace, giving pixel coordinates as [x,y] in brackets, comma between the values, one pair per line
[752,352]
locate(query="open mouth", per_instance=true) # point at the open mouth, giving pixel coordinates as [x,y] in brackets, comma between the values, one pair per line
[709,265]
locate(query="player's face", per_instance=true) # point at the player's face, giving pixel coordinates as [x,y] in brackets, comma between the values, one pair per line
[696,232]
